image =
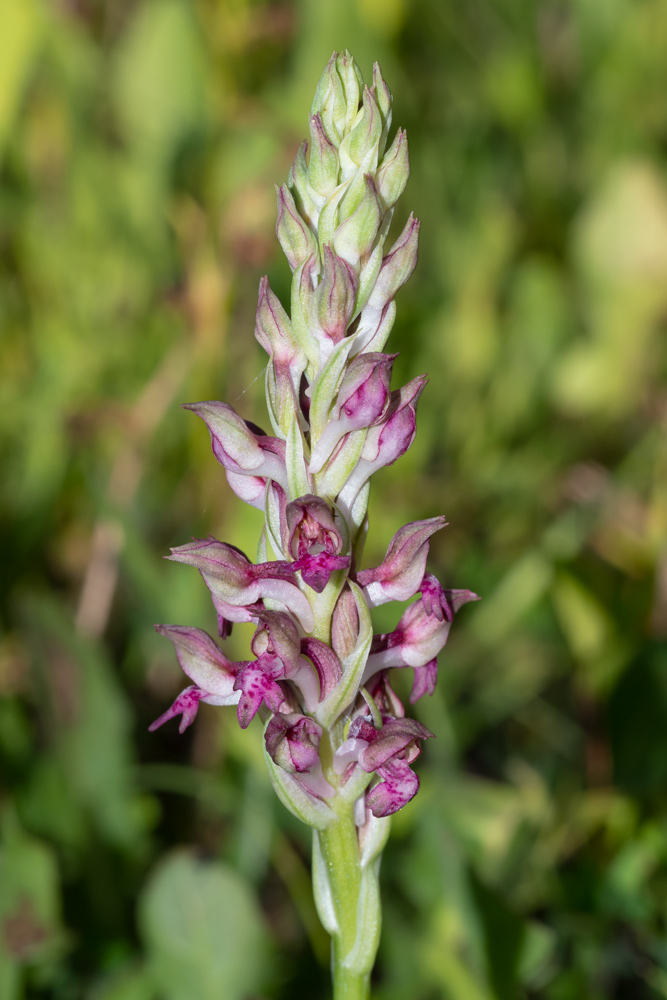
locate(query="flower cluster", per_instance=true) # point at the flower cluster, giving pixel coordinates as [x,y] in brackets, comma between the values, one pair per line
[319,677]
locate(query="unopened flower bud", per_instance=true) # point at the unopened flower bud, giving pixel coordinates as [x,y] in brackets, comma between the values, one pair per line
[330,101]
[323,166]
[382,96]
[360,147]
[393,173]
[307,200]
[295,235]
[354,238]
[273,329]
[332,302]
[361,401]
[386,441]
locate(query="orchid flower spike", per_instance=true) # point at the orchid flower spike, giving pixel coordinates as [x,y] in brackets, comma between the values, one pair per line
[338,746]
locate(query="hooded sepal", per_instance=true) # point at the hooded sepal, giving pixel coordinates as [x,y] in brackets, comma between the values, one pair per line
[401,573]
[204,663]
[397,266]
[235,581]
[314,540]
[241,450]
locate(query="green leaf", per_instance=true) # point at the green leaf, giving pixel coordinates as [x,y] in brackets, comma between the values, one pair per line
[202,930]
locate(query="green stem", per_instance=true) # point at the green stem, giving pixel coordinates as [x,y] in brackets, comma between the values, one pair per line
[351,963]
[345,881]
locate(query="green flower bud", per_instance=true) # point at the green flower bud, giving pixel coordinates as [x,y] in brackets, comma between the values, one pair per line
[332,303]
[295,236]
[323,166]
[382,96]
[354,238]
[393,172]
[352,80]
[330,102]
[364,137]
[302,192]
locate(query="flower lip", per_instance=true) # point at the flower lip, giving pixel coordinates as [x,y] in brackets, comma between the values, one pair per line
[314,540]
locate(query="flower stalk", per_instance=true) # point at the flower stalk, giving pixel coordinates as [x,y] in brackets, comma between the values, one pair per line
[338,745]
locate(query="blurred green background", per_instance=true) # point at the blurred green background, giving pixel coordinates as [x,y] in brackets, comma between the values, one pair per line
[139,145]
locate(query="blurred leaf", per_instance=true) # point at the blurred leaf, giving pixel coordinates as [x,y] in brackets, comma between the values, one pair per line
[30,920]
[637,719]
[504,934]
[203,931]
[159,82]
[22,30]
[89,721]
